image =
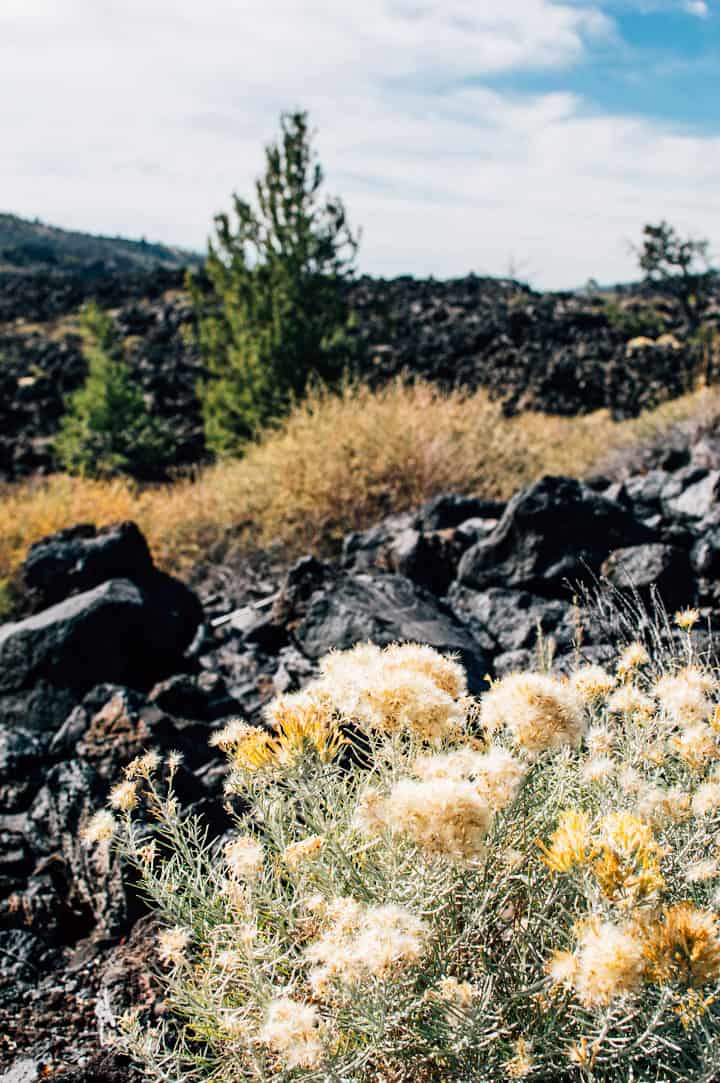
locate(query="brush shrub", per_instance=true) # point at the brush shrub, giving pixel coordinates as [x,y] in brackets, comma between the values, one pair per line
[524,886]
[108,428]
[271,306]
[393,449]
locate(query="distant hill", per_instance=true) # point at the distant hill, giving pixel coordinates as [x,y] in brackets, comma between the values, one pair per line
[33,246]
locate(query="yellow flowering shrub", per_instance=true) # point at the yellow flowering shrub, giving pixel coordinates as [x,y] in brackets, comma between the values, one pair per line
[427,888]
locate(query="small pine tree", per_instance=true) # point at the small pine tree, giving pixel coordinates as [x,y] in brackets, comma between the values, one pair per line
[108,428]
[681,265]
[271,309]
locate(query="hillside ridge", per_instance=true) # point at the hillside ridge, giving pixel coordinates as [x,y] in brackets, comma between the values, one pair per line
[34,245]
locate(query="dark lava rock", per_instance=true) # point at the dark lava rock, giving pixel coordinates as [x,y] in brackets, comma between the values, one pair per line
[116,632]
[105,1067]
[514,620]
[82,557]
[640,568]
[202,696]
[384,609]
[449,510]
[558,352]
[697,499]
[705,553]
[62,807]
[554,532]
[25,956]
[644,491]
[23,756]
[430,560]
[368,550]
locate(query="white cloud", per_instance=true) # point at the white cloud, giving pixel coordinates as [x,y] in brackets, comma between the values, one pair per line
[141,116]
[697,7]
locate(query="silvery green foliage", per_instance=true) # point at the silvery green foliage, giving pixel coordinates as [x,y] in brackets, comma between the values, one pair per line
[521,889]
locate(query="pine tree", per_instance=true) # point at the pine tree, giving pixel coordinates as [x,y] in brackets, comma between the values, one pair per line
[108,428]
[681,265]
[271,307]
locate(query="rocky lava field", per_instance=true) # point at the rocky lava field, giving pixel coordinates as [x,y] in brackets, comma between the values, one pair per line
[565,353]
[115,657]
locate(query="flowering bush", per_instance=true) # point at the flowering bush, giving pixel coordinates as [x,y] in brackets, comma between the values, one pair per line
[426,888]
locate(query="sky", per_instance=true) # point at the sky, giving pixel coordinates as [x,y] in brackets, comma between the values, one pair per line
[524,137]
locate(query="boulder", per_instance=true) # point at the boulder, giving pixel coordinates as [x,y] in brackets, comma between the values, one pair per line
[642,568]
[555,532]
[644,491]
[450,510]
[118,632]
[514,620]
[697,499]
[384,609]
[428,558]
[364,550]
[82,557]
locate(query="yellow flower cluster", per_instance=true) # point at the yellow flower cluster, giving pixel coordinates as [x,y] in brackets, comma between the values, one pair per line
[298,722]
[620,851]
[570,843]
[682,946]
[679,945]
[403,687]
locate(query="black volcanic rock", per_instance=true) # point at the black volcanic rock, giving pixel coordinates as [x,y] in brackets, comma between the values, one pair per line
[554,532]
[82,557]
[117,632]
[643,568]
[510,620]
[450,510]
[385,609]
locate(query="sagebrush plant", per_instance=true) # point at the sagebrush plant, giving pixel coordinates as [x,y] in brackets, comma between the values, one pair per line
[426,887]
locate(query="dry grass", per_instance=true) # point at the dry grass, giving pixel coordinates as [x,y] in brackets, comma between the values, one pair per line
[338,463]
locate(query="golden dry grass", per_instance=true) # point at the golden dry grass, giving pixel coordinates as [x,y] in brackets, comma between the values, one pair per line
[338,463]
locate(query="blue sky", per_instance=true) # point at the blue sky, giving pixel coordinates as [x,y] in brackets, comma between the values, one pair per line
[481,135]
[661,62]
